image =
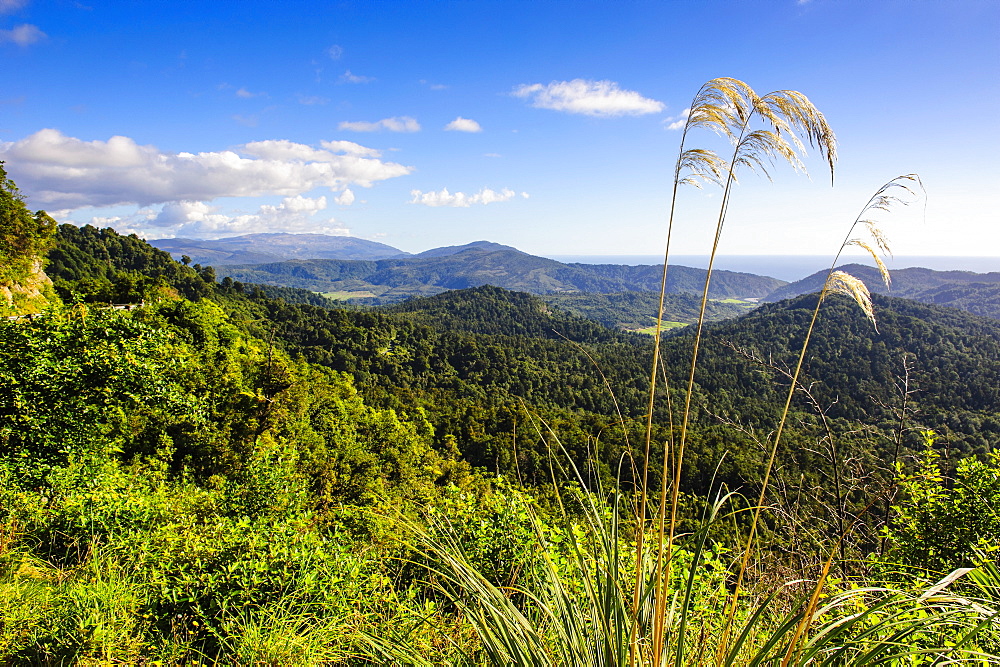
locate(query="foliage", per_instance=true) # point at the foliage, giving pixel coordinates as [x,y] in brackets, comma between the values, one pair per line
[940,524]
[24,236]
[104,266]
[79,383]
[24,239]
[636,311]
[397,279]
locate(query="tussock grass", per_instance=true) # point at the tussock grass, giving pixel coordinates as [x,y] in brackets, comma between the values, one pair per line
[628,588]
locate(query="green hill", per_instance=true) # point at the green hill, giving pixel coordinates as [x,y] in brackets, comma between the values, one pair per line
[977,293]
[395,279]
[274,247]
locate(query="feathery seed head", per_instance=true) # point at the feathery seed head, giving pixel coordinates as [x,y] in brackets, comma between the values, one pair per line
[790,111]
[841,282]
[765,144]
[701,165]
[878,260]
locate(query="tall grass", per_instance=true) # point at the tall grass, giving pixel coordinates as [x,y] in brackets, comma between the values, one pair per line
[601,598]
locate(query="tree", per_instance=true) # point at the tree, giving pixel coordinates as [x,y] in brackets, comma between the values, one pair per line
[24,236]
[942,524]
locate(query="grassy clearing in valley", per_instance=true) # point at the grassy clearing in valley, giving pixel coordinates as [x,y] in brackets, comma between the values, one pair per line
[346,296]
[664,324]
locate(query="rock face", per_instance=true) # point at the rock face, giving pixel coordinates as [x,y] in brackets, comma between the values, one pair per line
[29,296]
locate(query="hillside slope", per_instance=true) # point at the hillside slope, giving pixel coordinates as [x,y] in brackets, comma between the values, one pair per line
[977,293]
[395,279]
[274,247]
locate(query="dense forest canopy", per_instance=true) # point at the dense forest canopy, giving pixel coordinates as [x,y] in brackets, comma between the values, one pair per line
[228,442]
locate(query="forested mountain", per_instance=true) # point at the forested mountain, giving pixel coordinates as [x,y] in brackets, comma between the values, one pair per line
[638,310]
[952,360]
[487,347]
[493,310]
[395,279]
[274,247]
[977,293]
[487,246]
[24,238]
[687,280]
[226,443]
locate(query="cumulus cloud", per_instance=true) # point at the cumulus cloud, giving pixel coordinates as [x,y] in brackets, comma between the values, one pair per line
[592,98]
[58,171]
[677,122]
[347,77]
[350,148]
[460,199]
[22,35]
[463,125]
[346,198]
[395,124]
[202,220]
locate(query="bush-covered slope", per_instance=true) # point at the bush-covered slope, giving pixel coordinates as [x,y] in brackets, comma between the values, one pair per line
[394,279]
[977,293]
[853,369]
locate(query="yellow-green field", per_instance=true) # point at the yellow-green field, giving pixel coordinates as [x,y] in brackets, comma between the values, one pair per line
[344,296]
[732,300]
[665,324]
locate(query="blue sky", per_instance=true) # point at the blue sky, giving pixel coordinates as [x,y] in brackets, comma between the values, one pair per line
[543,125]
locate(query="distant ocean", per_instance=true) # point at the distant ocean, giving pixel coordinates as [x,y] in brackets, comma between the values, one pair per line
[791,267]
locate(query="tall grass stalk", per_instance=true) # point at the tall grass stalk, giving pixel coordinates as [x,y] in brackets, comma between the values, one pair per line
[709,109]
[838,282]
[728,107]
[591,598]
[575,607]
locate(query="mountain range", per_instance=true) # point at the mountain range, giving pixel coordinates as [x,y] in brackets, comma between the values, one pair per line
[977,293]
[350,268]
[485,263]
[274,247]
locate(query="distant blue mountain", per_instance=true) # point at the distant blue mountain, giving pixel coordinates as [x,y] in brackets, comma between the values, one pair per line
[275,247]
[455,249]
[977,293]
[485,263]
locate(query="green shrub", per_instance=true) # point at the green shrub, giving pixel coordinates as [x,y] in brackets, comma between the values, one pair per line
[941,524]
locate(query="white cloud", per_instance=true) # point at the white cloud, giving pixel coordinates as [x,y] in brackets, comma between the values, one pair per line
[335,52]
[395,124]
[202,220]
[593,98]
[350,148]
[463,125]
[246,94]
[346,198]
[23,35]
[460,199]
[433,86]
[8,6]
[347,77]
[57,171]
[677,122]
